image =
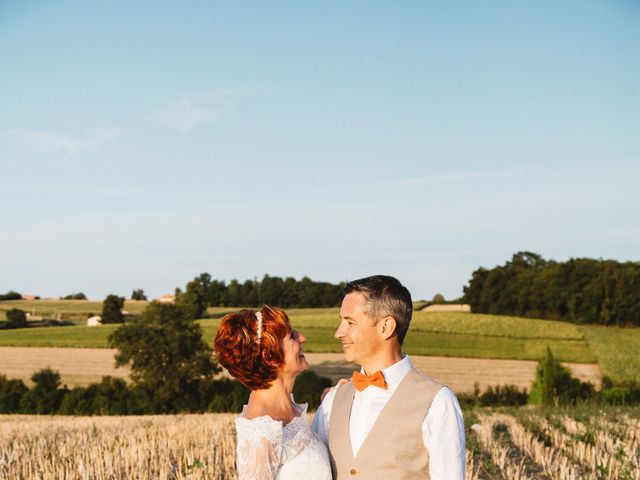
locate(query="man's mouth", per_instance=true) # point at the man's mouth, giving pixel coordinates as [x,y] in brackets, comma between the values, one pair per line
[346,345]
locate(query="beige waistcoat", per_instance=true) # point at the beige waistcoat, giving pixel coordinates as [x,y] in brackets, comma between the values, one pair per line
[394,448]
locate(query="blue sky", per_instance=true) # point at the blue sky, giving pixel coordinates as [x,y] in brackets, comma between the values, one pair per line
[142,143]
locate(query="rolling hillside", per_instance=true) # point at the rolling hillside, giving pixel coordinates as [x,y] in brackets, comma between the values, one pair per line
[464,335]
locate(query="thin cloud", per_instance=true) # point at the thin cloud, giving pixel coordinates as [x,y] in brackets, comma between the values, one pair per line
[50,142]
[468,175]
[187,112]
[31,188]
[443,179]
[224,96]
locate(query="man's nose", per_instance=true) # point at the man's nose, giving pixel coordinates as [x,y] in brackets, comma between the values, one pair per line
[302,338]
[339,331]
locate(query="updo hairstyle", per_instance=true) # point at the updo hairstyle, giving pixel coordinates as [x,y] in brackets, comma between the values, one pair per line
[253,362]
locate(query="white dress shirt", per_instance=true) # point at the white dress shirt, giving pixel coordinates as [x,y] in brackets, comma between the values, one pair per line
[442,427]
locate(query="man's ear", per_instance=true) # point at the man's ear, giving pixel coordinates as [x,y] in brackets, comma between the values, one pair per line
[388,327]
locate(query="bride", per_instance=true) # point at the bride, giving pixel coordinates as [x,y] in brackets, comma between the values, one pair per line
[261,350]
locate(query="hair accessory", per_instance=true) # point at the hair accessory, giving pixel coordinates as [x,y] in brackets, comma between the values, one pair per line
[259,317]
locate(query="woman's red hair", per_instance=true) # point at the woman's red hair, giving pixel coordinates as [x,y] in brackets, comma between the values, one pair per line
[252,362]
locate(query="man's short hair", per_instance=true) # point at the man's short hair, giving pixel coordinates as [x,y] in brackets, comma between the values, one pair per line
[385,296]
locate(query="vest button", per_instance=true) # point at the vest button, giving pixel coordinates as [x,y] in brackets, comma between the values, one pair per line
[353,471]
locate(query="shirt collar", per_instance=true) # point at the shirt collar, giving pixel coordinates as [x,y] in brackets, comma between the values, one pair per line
[396,372]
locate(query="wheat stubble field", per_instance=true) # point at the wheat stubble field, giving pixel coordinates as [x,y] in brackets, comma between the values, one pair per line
[506,445]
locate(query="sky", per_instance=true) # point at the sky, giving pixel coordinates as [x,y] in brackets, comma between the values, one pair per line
[143,143]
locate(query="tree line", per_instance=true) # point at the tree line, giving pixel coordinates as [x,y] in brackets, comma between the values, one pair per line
[203,292]
[114,396]
[284,292]
[580,290]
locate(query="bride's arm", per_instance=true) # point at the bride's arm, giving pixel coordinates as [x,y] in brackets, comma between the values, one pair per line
[328,389]
[257,461]
[259,451]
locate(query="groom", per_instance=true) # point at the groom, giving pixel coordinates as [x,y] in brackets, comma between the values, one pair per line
[390,421]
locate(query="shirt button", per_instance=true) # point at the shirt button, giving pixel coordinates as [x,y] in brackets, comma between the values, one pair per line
[353,471]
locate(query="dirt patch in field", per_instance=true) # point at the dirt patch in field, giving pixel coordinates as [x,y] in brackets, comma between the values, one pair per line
[82,366]
[460,373]
[77,366]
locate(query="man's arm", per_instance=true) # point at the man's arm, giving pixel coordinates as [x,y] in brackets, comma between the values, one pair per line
[320,424]
[443,435]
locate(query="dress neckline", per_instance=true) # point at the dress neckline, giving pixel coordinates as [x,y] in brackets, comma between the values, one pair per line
[300,407]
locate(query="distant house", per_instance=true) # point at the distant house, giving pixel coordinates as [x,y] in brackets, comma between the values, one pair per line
[94,321]
[166,298]
[448,308]
[29,297]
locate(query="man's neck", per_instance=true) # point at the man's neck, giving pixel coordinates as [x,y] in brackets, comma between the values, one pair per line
[382,361]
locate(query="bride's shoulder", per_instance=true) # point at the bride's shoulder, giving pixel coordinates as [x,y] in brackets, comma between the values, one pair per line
[301,409]
[299,406]
[251,424]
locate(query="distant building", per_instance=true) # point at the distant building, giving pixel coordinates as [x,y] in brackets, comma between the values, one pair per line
[94,321]
[29,297]
[166,298]
[447,308]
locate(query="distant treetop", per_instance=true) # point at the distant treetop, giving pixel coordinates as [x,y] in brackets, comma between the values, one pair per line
[438,298]
[75,296]
[11,295]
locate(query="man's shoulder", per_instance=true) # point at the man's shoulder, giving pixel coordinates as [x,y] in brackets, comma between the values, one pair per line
[426,387]
[424,379]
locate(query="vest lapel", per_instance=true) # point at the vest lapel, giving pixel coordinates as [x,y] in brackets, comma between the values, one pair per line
[390,416]
[340,448]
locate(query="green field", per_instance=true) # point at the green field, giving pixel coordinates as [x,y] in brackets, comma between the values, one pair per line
[494,325]
[74,310]
[438,333]
[617,351]
[455,335]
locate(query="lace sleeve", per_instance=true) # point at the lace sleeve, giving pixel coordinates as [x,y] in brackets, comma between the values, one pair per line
[259,449]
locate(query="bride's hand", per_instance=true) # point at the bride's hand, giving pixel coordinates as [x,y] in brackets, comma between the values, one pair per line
[328,389]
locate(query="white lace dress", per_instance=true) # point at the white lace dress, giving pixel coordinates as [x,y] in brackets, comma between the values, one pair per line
[267,450]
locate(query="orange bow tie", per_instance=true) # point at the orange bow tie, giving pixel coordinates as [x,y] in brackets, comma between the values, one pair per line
[361,381]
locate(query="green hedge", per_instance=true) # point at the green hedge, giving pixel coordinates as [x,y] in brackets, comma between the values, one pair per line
[113,396]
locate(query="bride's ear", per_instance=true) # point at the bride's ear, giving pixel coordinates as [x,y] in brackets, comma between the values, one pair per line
[388,327]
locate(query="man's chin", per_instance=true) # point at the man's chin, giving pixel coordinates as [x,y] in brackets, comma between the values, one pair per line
[348,355]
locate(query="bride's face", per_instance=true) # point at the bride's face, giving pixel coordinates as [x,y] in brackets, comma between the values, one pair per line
[294,359]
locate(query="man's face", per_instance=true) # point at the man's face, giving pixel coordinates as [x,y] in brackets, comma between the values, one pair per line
[361,339]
